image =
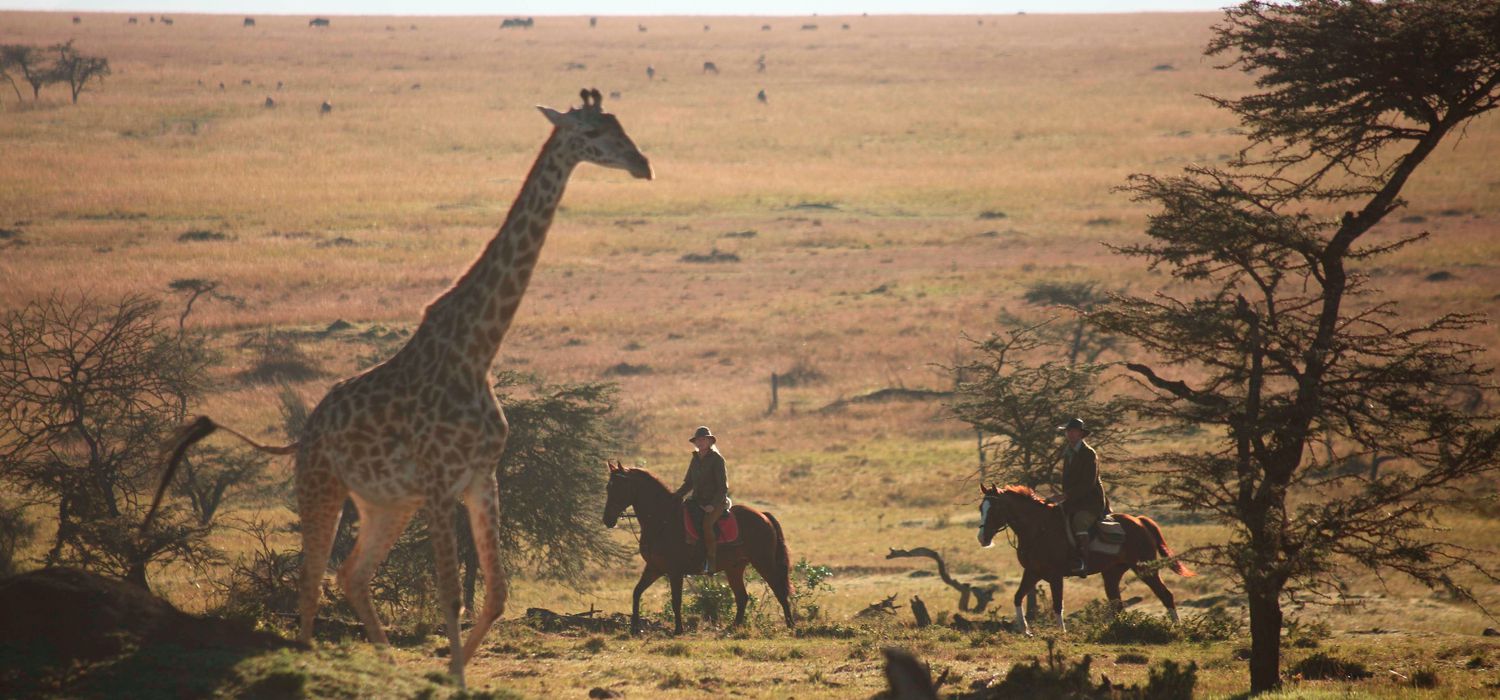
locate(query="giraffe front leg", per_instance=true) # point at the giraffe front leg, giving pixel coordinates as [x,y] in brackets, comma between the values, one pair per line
[483,501]
[445,556]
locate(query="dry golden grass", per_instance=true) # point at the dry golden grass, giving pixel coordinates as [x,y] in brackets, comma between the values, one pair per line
[909,128]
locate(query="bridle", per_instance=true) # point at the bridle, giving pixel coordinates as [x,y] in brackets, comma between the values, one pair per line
[989,502]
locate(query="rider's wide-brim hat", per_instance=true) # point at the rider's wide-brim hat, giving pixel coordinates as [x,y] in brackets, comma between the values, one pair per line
[1075,423]
[703,432]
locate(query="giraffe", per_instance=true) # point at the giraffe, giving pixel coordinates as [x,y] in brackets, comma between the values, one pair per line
[424,427]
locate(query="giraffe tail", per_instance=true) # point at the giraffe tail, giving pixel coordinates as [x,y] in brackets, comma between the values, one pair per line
[183,438]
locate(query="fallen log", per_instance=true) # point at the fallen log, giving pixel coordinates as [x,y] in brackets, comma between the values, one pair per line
[884,607]
[981,595]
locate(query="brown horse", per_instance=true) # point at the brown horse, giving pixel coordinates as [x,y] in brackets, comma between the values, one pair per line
[667,553]
[1043,549]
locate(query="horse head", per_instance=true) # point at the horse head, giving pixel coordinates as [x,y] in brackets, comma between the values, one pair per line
[991,515]
[619,494]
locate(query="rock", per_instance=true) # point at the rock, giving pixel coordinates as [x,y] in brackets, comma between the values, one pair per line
[1491,632]
[605,693]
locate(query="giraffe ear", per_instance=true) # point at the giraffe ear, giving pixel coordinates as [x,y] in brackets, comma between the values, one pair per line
[557,118]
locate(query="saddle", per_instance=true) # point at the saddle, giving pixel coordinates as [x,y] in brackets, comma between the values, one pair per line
[1106,536]
[726,530]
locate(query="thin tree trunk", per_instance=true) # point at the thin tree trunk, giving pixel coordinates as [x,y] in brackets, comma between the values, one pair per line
[1265,634]
[137,575]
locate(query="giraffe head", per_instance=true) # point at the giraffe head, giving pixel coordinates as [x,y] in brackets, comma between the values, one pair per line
[595,136]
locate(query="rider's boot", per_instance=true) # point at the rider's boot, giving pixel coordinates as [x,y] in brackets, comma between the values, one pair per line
[1080,563]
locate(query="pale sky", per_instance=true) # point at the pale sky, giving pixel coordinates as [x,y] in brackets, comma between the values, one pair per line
[618,7]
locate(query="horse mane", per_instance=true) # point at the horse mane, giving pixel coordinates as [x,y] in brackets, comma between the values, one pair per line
[652,478]
[1025,492]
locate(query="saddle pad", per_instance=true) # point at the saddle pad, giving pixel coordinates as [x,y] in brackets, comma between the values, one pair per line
[727,528]
[1111,532]
[1101,546]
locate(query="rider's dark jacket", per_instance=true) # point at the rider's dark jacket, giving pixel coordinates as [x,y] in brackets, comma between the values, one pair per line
[706,480]
[1080,482]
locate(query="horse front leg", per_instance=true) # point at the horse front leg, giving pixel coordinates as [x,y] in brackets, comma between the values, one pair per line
[1028,582]
[1056,582]
[648,577]
[676,581]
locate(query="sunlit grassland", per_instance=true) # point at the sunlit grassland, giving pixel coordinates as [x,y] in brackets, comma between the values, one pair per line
[864,179]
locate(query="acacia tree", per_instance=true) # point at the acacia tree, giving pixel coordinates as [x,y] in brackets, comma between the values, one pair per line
[87,391]
[1083,342]
[1285,343]
[32,65]
[77,69]
[1019,404]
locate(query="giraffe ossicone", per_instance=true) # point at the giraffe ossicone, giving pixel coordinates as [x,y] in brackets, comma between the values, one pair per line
[423,429]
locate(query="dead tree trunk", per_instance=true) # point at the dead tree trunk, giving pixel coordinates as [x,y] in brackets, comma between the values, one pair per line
[982,595]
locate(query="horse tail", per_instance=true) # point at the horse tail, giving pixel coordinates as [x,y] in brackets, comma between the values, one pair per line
[783,556]
[186,436]
[1162,548]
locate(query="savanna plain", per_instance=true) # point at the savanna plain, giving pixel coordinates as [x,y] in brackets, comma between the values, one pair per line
[900,184]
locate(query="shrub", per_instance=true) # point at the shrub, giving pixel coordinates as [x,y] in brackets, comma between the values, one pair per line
[1324,666]
[1062,678]
[1425,678]
[1213,625]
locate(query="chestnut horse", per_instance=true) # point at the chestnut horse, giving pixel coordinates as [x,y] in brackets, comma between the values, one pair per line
[1045,553]
[667,553]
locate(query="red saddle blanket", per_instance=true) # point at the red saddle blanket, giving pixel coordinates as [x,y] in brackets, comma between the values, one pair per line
[727,528]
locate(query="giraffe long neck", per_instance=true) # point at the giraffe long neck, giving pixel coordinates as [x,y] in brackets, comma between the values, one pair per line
[467,323]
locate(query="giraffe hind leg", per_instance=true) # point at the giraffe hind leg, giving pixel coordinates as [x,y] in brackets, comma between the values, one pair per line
[379,528]
[440,526]
[483,501]
[320,504]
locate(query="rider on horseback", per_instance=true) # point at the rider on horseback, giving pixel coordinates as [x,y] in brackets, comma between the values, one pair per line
[1083,501]
[708,484]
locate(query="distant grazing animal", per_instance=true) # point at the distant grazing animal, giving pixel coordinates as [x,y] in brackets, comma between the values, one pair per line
[614,94]
[593,22]
[709,67]
[77,20]
[318,22]
[167,21]
[760,64]
[132,20]
[517,22]
[665,546]
[765,27]
[705,27]
[762,97]
[424,428]
[326,108]
[221,87]
[650,72]
[249,21]
[270,103]
[1042,549]
[153,19]
[809,27]
[278,86]
[245,81]
[416,86]
[640,27]
[845,26]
